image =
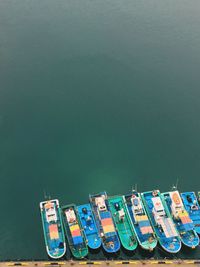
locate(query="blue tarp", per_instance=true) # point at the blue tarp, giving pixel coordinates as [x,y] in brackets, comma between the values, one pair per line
[105,214]
[188,226]
[144,223]
[77,240]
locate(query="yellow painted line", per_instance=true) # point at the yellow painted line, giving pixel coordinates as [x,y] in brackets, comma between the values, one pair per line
[188,262]
[134,262]
[90,262]
[54,263]
[169,262]
[153,262]
[118,262]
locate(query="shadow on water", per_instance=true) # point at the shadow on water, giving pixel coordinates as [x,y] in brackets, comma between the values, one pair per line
[138,254]
[189,253]
[145,254]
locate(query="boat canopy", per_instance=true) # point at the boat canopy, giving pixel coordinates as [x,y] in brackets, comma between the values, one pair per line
[179,211]
[168,227]
[144,224]
[53,231]
[177,204]
[107,223]
[76,234]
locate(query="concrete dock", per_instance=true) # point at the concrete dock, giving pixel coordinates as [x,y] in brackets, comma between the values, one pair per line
[147,263]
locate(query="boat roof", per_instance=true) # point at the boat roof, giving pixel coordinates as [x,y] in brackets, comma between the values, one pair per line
[176,199]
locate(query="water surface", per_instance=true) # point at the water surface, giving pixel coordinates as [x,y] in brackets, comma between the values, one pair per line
[94,95]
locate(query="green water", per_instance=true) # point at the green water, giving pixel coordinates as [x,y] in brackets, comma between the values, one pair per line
[94,95]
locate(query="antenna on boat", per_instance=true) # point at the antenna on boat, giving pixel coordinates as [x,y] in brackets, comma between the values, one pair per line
[45,195]
[174,187]
[177,180]
[134,188]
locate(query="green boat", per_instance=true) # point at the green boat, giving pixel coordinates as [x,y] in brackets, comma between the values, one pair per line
[74,232]
[122,222]
[53,228]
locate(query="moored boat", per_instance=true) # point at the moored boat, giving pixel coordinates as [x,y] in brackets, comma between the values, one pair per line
[123,223]
[193,208]
[181,219]
[198,196]
[105,224]
[74,233]
[161,221]
[53,228]
[140,220]
[89,226]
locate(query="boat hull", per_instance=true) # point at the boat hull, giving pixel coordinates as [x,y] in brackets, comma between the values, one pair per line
[146,241]
[109,239]
[54,240]
[89,226]
[193,208]
[74,233]
[169,244]
[124,226]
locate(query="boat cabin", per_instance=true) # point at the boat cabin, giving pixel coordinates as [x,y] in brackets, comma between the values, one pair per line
[50,212]
[70,215]
[137,208]
[158,209]
[100,202]
[177,204]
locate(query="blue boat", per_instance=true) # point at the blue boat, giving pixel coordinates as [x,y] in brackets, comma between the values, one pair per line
[192,206]
[161,221]
[53,228]
[89,226]
[140,221]
[105,224]
[181,219]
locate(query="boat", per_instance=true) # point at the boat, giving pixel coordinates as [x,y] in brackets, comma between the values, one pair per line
[193,208]
[161,221]
[181,219]
[105,224]
[53,228]
[198,196]
[122,222]
[89,225]
[73,230]
[140,220]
